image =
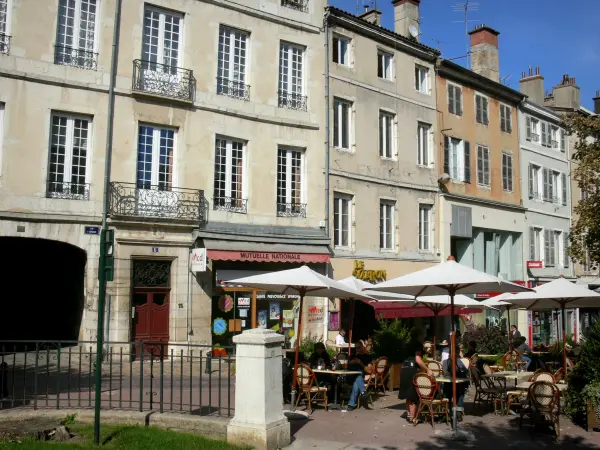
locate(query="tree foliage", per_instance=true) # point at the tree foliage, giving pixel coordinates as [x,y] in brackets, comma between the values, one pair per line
[585,232]
[490,340]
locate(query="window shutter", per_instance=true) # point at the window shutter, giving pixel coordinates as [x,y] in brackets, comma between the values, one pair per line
[484,110]
[451,99]
[547,247]
[335,46]
[447,155]
[546,176]
[531,187]
[486,166]
[458,101]
[509,160]
[563,141]
[532,244]
[508,113]
[566,250]
[544,134]
[478,112]
[563,181]
[529,131]
[467,162]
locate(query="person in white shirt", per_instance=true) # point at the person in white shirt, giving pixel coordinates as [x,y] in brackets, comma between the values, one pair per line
[339,339]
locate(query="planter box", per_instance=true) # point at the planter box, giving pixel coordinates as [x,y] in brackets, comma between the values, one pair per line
[393,381]
[592,418]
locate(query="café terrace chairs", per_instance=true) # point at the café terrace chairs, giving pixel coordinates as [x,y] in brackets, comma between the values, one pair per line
[435,367]
[429,403]
[377,378]
[544,406]
[309,388]
[485,390]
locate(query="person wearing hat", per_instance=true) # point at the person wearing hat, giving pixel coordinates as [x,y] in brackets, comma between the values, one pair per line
[445,350]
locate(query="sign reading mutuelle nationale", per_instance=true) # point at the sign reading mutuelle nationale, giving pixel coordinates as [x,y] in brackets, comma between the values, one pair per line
[289,257]
[263,256]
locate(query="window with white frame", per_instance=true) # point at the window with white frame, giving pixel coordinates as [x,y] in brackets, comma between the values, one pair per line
[507,172]
[231,68]
[5,15]
[545,127]
[384,65]
[535,243]
[455,99]
[554,136]
[425,228]
[424,145]
[155,158]
[76,35]
[291,77]
[386,225]
[506,118]
[481,109]
[422,79]
[69,157]
[386,135]
[290,176]
[342,220]
[229,192]
[551,239]
[483,166]
[341,50]
[533,129]
[342,123]
[535,182]
[457,159]
[161,42]
[555,187]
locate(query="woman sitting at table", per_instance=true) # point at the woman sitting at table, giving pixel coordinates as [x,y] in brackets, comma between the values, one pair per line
[461,388]
[414,363]
[320,359]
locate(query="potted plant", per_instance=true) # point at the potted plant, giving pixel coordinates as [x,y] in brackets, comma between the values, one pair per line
[390,341]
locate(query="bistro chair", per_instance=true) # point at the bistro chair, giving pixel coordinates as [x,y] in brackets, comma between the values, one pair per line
[309,388]
[484,391]
[542,376]
[376,379]
[511,360]
[427,388]
[435,367]
[544,405]
[559,375]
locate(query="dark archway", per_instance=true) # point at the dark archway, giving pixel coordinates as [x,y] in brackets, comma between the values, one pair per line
[42,292]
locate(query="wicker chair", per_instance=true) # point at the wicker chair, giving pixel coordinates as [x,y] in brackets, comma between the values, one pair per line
[544,404]
[485,391]
[426,388]
[307,384]
[377,378]
[511,360]
[559,375]
[542,376]
[435,367]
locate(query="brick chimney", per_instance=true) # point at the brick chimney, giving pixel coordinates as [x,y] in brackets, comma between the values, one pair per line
[371,15]
[532,85]
[567,94]
[484,52]
[406,13]
[597,103]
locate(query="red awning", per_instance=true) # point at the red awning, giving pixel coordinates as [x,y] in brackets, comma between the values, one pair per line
[394,310]
[289,257]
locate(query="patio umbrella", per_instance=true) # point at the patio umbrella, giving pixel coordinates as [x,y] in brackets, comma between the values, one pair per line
[559,292]
[301,281]
[448,278]
[499,302]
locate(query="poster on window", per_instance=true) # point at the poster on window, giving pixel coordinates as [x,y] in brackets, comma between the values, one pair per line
[334,320]
[243,312]
[275,309]
[262,318]
[288,318]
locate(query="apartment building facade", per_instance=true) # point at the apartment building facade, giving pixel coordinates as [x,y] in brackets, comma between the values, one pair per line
[217,127]
[382,135]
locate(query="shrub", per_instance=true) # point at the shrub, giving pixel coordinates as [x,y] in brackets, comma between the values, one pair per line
[391,339]
[307,346]
[490,340]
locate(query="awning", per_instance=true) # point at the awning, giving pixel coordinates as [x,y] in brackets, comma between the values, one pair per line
[395,311]
[221,250]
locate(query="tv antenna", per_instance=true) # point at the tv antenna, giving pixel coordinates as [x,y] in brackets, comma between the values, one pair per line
[366,4]
[465,8]
[504,80]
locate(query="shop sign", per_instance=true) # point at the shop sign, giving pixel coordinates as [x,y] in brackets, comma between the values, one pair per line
[198,260]
[485,295]
[230,255]
[243,302]
[535,264]
[371,276]
[315,313]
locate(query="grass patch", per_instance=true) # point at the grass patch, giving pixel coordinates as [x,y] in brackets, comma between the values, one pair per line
[125,437]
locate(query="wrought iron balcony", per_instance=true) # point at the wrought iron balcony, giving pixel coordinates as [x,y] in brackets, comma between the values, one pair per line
[68,191]
[75,57]
[164,80]
[156,202]
[291,209]
[5,43]
[291,100]
[554,144]
[300,5]
[535,195]
[233,89]
[231,204]
[533,137]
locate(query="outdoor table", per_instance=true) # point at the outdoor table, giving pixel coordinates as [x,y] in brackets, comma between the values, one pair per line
[526,384]
[449,380]
[339,374]
[486,356]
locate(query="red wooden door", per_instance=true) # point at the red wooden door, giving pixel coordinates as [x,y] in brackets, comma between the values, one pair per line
[151,320]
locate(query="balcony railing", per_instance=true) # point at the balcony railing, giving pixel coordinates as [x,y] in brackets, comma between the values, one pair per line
[291,209]
[161,79]
[75,57]
[300,5]
[554,144]
[233,89]
[68,191]
[231,204]
[5,44]
[152,201]
[533,137]
[291,100]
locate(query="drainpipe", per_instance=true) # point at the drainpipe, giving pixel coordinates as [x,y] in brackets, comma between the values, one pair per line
[326,26]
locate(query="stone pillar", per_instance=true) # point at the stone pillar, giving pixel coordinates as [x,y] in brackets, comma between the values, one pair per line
[259,421]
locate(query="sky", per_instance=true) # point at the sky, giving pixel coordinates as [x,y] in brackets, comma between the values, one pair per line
[560,36]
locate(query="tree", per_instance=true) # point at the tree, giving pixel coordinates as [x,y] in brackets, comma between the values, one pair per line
[585,231]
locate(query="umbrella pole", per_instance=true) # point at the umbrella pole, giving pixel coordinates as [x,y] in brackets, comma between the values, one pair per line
[350,326]
[510,339]
[435,314]
[453,360]
[294,381]
[564,333]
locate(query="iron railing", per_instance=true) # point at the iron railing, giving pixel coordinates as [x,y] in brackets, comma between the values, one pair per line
[535,195]
[233,89]
[231,204]
[300,5]
[76,57]
[152,201]
[291,209]
[164,80]
[554,144]
[533,137]
[5,43]
[140,376]
[291,100]
[68,191]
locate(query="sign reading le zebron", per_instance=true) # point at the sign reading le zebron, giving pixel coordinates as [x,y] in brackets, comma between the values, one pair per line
[371,276]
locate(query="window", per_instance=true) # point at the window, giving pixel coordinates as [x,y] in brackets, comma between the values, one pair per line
[552,188]
[69,157]
[566,250]
[384,65]
[549,248]
[424,147]
[231,69]
[554,137]
[342,121]
[532,129]
[546,141]
[563,141]
[342,210]
[454,99]
[155,157]
[535,239]
[76,33]
[386,135]
[483,166]
[481,109]
[289,182]
[291,77]
[507,172]
[457,159]
[161,47]
[535,182]
[5,13]
[341,50]
[425,240]
[505,119]
[422,79]
[229,191]
[386,225]
[564,187]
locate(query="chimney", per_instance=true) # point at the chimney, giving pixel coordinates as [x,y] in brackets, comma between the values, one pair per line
[567,94]
[532,85]
[406,18]
[372,16]
[484,52]
[597,103]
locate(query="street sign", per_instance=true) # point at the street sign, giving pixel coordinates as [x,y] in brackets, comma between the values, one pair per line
[198,260]
[535,264]
[92,230]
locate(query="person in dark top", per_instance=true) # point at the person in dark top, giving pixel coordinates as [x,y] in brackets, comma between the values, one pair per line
[524,350]
[362,362]
[461,388]
[471,349]
[414,363]
[320,357]
[515,336]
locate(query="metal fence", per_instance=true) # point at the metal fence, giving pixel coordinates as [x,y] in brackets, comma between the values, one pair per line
[138,376]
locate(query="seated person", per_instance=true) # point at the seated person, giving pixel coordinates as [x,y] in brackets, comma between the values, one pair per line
[461,388]
[471,349]
[525,351]
[339,339]
[320,357]
[361,361]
